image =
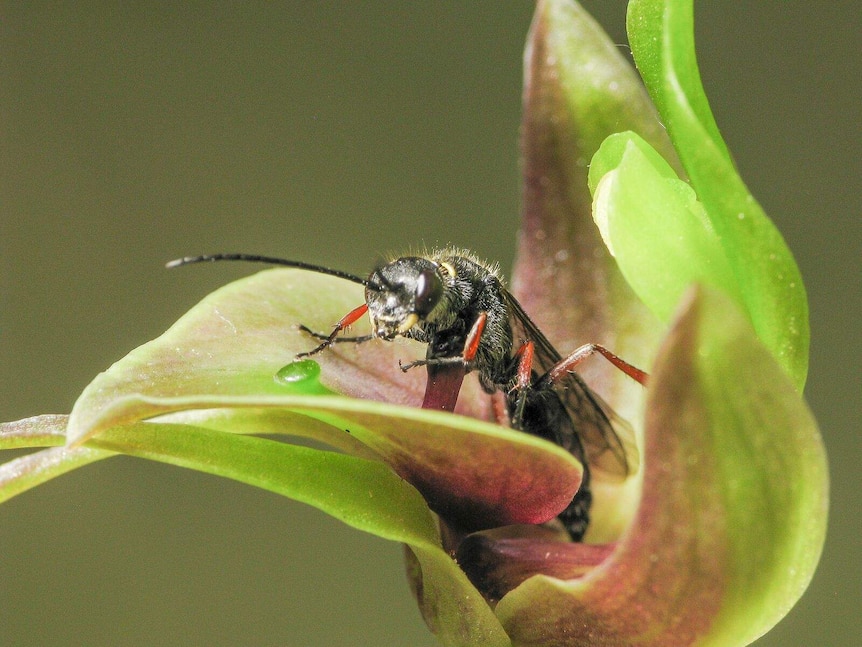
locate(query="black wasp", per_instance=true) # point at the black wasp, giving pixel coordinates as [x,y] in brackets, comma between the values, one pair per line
[459,308]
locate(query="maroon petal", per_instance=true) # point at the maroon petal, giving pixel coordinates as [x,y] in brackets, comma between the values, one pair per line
[496,563]
[578,89]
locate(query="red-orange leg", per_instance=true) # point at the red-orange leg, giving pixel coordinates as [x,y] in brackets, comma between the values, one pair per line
[524,377]
[347,320]
[587,350]
[471,344]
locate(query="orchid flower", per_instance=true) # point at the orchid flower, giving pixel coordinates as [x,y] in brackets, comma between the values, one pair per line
[638,234]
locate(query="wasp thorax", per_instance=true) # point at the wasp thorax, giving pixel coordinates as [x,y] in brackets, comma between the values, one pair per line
[401,294]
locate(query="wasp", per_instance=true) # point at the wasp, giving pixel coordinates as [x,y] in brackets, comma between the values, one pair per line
[460,309]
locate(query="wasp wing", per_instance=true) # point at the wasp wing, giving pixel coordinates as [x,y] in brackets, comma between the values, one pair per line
[608,441]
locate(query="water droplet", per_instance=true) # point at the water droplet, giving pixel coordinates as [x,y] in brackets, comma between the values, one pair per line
[299,370]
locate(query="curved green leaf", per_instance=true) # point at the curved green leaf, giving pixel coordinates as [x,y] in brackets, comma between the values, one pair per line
[661,33]
[733,515]
[451,606]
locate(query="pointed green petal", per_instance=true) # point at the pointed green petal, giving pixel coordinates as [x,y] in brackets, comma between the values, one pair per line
[39,431]
[733,515]
[364,494]
[661,34]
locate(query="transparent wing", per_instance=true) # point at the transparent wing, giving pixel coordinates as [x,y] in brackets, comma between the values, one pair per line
[608,440]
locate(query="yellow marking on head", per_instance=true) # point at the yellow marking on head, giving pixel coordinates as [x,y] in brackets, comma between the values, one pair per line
[449,268]
[411,320]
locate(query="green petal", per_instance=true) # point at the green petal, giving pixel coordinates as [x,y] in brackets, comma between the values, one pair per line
[733,516]
[39,431]
[225,352]
[475,474]
[661,34]
[653,224]
[235,342]
[238,339]
[364,494]
[20,474]
[453,609]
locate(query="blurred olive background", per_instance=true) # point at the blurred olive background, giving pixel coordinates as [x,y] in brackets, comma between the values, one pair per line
[133,133]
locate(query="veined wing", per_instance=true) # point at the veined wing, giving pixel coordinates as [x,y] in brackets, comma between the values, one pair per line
[608,440]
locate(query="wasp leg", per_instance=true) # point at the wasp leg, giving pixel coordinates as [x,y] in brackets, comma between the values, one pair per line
[434,361]
[568,364]
[471,343]
[348,319]
[467,356]
[523,380]
[338,340]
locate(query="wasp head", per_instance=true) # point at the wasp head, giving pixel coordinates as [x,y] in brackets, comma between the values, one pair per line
[402,294]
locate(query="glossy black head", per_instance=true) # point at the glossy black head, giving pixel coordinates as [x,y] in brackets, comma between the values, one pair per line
[402,294]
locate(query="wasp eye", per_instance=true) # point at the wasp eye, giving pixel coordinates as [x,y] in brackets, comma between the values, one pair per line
[429,288]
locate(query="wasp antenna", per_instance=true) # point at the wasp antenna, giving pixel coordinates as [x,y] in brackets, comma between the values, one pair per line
[269,260]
